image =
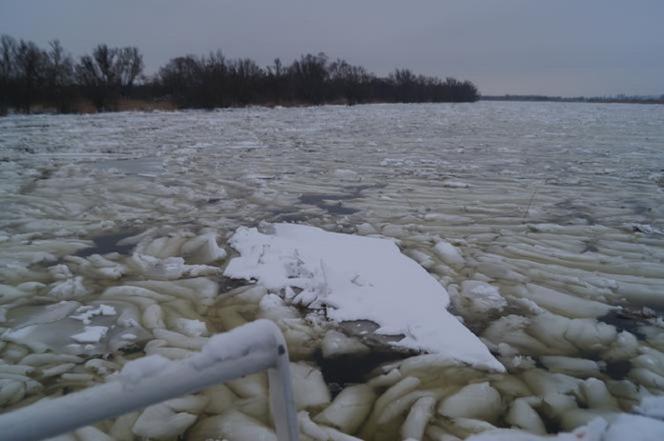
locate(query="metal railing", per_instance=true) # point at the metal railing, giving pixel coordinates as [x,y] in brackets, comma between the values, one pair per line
[244,350]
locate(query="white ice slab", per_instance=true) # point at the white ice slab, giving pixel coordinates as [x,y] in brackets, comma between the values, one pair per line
[87,313]
[622,427]
[652,406]
[357,278]
[91,334]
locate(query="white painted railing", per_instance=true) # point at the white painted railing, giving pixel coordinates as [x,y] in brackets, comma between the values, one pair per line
[245,350]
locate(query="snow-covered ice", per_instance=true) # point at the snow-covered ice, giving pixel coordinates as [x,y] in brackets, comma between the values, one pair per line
[87,313]
[90,334]
[619,428]
[357,278]
[652,406]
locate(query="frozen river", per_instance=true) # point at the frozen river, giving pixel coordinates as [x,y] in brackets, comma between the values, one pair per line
[544,222]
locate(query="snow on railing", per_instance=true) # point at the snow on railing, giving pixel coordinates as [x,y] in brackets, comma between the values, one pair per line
[244,350]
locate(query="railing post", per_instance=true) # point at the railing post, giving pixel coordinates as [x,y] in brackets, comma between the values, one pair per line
[244,350]
[282,401]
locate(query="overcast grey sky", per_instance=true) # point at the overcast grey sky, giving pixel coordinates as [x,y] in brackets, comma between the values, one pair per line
[557,47]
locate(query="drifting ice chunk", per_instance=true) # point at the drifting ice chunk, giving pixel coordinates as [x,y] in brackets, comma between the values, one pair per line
[88,312]
[418,418]
[169,419]
[50,314]
[335,343]
[203,249]
[349,409]
[634,427]
[449,183]
[346,175]
[68,289]
[652,407]
[357,278]
[522,414]
[234,425]
[449,254]
[309,388]
[60,272]
[137,370]
[91,334]
[478,400]
[192,328]
[622,427]
[477,299]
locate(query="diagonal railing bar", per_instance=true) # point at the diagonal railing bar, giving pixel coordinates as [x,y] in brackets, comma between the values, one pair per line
[244,350]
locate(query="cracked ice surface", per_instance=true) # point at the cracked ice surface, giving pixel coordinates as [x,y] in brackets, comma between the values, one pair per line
[542,221]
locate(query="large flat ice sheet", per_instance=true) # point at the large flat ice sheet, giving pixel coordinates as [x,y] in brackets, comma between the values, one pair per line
[357,278]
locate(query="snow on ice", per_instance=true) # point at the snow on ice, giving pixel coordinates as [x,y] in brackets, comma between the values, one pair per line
[357,278]
[91,334]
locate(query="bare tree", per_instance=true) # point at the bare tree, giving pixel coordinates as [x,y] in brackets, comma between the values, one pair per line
[245,77]
[349,81]
[96,76]
[8,47]
[59,77]
[275,80]
[309,75]
[30,75]
[30,70]
[108,73]
[129,65]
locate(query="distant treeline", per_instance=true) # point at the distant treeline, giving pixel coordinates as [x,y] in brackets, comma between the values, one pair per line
[34,78]
[579,99]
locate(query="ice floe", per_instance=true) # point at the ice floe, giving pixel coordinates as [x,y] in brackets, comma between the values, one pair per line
[353,278]
[86,313]
[618,428]
[90,334]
